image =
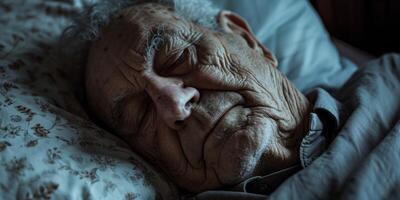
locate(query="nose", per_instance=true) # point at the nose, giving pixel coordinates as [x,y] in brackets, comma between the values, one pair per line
[172,99]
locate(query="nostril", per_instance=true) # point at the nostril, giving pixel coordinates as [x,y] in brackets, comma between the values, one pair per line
[193,100]
[188,105]
[179,123]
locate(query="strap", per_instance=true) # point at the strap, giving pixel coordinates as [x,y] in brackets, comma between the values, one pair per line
[268,183]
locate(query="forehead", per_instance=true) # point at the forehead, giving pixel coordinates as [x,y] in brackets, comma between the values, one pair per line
[145,19]
[132,30]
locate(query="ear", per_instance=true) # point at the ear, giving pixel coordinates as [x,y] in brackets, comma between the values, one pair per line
[232,23]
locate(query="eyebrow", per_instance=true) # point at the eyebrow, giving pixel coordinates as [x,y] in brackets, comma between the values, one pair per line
[159,36]
[155,40]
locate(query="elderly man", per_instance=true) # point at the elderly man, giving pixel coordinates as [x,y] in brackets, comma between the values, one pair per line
[207,106]
[195,93]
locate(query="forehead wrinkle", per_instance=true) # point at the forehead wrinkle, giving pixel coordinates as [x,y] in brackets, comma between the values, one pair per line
[138,55]
[127,49]
[163,38]
[181,38]
[152,38]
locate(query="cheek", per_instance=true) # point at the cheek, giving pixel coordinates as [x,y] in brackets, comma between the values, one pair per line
[130,115]
[219,68]
[241,153]
[249,63]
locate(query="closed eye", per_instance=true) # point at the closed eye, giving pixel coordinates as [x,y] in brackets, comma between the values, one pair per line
[181,58]
[175,67]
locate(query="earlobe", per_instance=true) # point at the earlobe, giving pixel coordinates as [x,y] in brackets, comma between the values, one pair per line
[233,23]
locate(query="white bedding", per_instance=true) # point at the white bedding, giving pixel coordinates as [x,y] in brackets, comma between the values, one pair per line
[292,30]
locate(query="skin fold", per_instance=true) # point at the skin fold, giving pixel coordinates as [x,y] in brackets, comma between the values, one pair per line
[208,107]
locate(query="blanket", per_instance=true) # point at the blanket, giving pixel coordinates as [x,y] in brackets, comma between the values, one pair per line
[363,160]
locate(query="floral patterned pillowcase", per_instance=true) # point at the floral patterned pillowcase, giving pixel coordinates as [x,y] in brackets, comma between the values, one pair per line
[48,148]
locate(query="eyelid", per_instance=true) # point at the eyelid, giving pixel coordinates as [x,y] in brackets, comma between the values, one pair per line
[184,44]
[172,64]
[186,48]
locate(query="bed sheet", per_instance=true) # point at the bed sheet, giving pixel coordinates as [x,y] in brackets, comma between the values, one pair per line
[363,160]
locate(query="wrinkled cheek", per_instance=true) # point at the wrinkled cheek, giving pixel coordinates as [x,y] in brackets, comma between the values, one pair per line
[241,154]
[236,159]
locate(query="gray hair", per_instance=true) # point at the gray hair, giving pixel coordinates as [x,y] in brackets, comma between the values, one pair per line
[88,26]
[76,39]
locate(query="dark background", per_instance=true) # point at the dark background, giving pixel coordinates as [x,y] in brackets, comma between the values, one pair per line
[371,25]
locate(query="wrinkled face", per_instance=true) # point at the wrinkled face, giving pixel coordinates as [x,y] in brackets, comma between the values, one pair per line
[202,105]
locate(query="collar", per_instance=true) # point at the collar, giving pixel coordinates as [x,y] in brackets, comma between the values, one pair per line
[325,120]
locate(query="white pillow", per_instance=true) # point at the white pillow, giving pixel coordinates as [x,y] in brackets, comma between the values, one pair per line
[292,30]
[48,148]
